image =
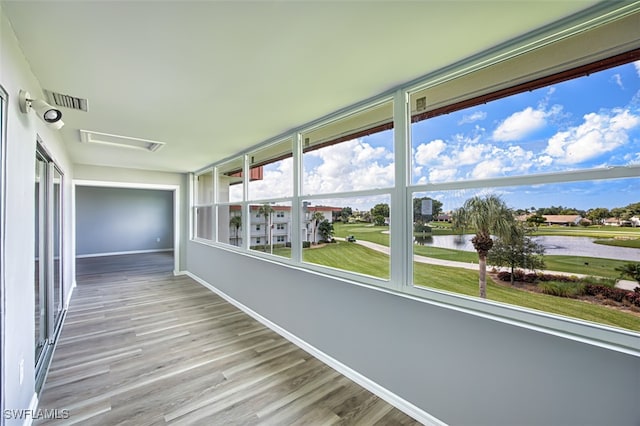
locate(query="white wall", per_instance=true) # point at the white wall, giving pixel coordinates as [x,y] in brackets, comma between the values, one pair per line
[460,368]
[22,130]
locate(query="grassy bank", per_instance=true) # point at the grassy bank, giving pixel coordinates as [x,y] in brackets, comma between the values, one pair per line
[359,259]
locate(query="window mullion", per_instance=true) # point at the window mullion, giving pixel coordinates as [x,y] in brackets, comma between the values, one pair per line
[296,244]
[400,259]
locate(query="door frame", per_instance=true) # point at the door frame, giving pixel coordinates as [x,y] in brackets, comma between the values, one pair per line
[129,185]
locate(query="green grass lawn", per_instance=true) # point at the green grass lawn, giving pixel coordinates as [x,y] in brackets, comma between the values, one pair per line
[350,257]
[356,258]
[578,265]
[631,243]
[591,231]
[570,264]
[466,282]
[359,259]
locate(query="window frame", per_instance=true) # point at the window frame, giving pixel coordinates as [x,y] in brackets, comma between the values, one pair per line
[196,204]
[401,267]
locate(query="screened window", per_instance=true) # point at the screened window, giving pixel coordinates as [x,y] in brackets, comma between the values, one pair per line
[230,177]
[350,233]
[271,172]
[203,205]
[230,224]
[350,154]
[271,231]
[563,160]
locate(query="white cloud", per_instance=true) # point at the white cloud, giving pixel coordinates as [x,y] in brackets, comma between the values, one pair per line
[637,65]
[470,154]
[348,166]
[427,153]
[520,124]
[487,168]
[617,78]
[476,116]
[277,181]
[598,134]
[441,175]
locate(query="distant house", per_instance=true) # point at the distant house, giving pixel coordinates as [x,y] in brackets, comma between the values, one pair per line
[563,219]
[612,221]
[556,219]
[443,218]
[635,221]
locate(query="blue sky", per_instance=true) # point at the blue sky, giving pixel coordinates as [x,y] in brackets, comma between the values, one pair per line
[584,123]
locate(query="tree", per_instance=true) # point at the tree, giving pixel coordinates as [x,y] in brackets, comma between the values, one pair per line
[378,220]
[436,208]
[236,222]
[325,230]
[316,219]
[630,270]
[518,250]
[487,215]
[536,220]
[266,210]
[346,213]
[598,214]
[381,209]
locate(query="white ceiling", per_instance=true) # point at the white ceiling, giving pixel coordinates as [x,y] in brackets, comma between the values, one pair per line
[212,78]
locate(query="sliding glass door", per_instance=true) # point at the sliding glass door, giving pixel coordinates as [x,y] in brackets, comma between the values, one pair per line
[48,280]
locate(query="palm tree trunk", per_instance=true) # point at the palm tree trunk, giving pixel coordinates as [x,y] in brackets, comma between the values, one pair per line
[482,282]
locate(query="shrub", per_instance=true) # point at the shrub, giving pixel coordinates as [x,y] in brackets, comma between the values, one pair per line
[562,288]
[617,294]
[306,244]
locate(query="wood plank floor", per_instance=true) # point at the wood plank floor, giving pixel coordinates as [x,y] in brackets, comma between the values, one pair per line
[142,347]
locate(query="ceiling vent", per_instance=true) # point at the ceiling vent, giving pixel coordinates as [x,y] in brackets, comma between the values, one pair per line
[90,137]
[67,101]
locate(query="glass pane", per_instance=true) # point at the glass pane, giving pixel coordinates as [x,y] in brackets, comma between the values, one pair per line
[353,153]
[204,188]
[204,222]
[571,249]
[271,174]
[350,233]
[584,123]
[230,224]
[40,258]
[230,182]
[57,246]
[270,228]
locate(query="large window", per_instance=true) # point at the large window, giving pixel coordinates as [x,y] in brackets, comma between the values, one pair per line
[515,183]
[552,157]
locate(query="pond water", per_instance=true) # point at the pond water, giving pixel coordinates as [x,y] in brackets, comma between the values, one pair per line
[554,245]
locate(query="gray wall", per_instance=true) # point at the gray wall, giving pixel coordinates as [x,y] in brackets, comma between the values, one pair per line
[133,177]
[114,220]
[460,368]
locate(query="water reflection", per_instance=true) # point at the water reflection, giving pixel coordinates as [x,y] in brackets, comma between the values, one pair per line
[554,245]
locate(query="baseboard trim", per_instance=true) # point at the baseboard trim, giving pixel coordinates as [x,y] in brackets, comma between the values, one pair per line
[373,387]
[118,253]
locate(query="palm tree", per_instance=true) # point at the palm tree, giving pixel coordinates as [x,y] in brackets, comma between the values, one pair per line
[266,210]
[316,218]
[236,222]
[487,215]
